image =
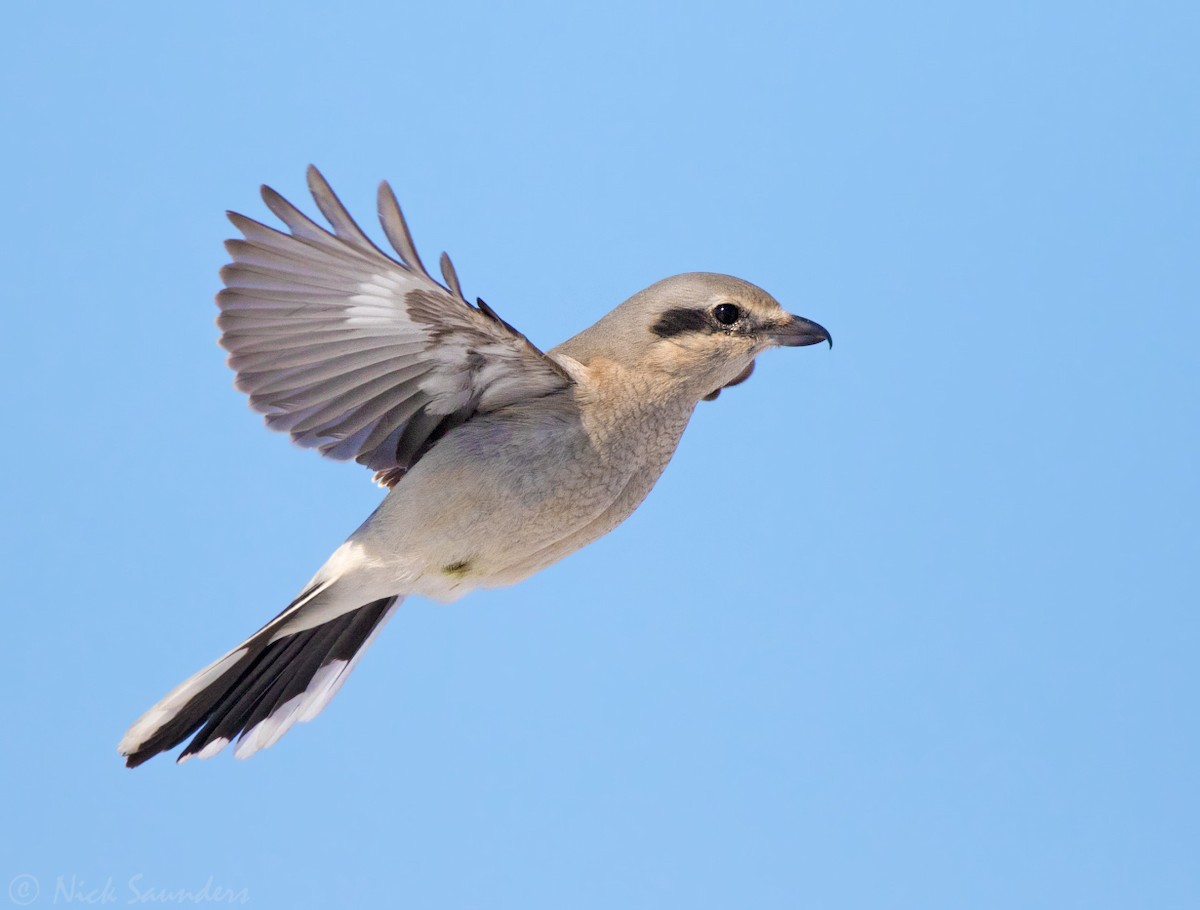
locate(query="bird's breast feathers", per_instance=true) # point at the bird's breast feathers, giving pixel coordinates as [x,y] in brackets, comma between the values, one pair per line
[507,494]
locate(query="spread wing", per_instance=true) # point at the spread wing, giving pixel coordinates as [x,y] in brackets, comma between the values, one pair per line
[358,354]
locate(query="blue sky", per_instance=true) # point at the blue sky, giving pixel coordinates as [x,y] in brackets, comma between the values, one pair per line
[908,623]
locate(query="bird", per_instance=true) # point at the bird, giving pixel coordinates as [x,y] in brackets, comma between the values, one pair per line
[499,458]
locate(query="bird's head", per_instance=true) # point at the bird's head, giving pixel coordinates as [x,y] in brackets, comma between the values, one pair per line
[699,331]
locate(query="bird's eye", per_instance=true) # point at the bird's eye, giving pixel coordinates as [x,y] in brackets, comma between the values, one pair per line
[726,313]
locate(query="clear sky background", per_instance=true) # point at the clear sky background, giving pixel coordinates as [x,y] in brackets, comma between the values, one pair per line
[909,623]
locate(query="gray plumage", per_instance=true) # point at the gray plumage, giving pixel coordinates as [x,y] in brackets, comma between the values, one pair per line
[500,459]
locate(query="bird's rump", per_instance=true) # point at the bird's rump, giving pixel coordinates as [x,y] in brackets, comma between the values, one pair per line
[359,354]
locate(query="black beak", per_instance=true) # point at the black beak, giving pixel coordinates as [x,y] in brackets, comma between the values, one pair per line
[799,332]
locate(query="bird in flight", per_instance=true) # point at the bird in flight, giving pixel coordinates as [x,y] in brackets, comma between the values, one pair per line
[499,458]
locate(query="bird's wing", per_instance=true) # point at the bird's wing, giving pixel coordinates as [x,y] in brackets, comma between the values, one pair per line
[359,354]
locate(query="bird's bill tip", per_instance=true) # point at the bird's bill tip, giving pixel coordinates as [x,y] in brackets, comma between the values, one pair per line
[798,332]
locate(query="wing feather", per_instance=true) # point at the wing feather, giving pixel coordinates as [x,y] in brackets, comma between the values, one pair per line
[451,276]
[358,353]
[396,228]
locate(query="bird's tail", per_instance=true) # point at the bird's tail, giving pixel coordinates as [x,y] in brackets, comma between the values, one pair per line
[257,691]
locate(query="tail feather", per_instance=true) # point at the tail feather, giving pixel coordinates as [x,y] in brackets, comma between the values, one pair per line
[231,713]
[258,690]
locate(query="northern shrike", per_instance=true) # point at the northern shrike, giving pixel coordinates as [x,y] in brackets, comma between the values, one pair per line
[499,459]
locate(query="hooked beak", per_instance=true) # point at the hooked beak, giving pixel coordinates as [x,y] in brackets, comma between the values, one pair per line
[799,331]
